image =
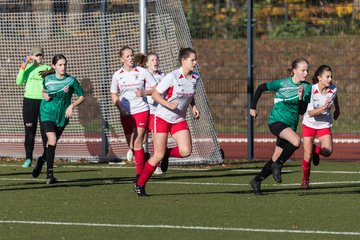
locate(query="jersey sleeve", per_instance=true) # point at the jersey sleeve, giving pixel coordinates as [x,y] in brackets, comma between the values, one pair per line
[274,85]
[165,83]
[20,77]
[78,90]
[114,85]
[24,74]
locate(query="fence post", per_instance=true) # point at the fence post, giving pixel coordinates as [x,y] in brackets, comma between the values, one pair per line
[250,78]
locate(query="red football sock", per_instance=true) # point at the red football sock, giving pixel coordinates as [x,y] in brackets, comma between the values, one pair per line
[174,152]
[145,176]
[139,160]
[317,149]
[306,166]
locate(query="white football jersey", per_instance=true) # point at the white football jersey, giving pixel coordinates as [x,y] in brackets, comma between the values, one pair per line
[177,89]
[158,76]
[127,83]
[317,100]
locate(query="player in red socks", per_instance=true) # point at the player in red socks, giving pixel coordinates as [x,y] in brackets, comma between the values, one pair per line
[129,95]
[179,88]
[317,121]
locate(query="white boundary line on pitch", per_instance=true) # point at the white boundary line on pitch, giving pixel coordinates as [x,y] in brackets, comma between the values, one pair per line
[204,228]
[192,183]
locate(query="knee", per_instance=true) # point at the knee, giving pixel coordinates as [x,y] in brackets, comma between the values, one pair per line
[297,143]
[326,152]
[185,152]
[52,141]
[30,129]
[156,158]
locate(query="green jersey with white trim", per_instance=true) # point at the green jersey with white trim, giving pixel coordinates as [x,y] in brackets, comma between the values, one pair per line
[286,103]
[60,92]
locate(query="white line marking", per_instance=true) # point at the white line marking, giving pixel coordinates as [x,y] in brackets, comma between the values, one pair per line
[179,227]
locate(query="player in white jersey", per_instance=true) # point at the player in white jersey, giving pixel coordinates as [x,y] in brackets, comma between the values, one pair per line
[151,63]
[129,95]
[317,120]
[170,115]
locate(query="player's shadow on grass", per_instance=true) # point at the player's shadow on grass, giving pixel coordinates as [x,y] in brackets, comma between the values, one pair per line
[313,190]
[204,175]
[29,172]
[265,192]
[84,182]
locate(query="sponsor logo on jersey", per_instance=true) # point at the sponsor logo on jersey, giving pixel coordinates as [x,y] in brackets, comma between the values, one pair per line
[66,88]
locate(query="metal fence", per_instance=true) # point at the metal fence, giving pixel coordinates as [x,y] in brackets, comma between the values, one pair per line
[324,32]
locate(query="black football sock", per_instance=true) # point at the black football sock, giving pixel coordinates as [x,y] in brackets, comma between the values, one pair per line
[50,155]
[265,172]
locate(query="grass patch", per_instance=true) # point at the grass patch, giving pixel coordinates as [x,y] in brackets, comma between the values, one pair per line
[96,201]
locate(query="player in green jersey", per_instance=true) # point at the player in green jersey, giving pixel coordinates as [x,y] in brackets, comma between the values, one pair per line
[29,76]
[56,109]
[292,94]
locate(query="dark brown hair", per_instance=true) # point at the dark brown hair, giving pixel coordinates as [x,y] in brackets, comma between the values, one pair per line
[184,53]
[55,59]
[319,72]
[139,59]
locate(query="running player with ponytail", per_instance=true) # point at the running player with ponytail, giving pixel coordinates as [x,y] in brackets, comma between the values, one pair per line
[128,94]
[317,121]
[56,109]
[179,86]
[292,94]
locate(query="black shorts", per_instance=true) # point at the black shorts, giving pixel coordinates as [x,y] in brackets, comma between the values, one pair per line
[49,126]
[276,128]
[31,110]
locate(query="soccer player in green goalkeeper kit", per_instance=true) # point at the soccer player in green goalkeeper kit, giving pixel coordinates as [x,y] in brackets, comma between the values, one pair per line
[29,76]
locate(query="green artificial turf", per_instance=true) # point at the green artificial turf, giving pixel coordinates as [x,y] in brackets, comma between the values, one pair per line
[96,201]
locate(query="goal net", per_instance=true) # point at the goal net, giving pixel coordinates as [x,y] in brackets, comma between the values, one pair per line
[90,34]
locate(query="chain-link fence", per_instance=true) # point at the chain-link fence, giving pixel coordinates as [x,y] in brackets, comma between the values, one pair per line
[324,32]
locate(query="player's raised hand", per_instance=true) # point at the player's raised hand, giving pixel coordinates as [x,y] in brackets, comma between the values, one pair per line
[300,92]
[253,113]
[195,112]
